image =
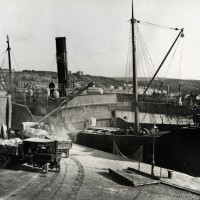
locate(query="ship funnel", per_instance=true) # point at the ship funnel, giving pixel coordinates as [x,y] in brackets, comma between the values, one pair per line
[61,55]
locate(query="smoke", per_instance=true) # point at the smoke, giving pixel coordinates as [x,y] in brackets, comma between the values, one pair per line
[62,132]
[70,128]
[72,132]
[68,132]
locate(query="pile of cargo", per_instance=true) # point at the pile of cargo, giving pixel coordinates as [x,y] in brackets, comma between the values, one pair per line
[36,130]
[63,143]
[11,142]
[32,132]
[10,146]
[54,137]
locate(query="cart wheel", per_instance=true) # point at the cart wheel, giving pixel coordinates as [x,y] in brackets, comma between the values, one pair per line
[66,153]
[58,168]
[45,168]
[9,159]
[3,161]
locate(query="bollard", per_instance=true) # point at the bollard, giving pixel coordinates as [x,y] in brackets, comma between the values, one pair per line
[170,174]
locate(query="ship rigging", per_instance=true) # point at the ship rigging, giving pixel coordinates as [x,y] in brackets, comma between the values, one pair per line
[136,101]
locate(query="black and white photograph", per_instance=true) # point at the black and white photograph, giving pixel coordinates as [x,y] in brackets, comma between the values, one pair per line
[99,100]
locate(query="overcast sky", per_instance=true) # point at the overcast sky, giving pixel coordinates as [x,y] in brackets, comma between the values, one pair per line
[97,33]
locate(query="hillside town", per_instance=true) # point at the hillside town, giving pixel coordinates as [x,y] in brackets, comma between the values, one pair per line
[37,82]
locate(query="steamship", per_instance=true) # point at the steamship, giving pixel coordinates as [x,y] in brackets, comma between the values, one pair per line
[107,111]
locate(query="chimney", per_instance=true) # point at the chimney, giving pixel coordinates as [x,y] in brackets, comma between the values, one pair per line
[61,55]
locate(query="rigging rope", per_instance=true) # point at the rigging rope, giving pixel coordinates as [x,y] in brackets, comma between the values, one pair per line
[53,63]
[15,60]
[4,58]
[3,53]
[140,54]
[145,49]
[128,68]
[156,25]
[182,45]
[172,57]
[73,62]
[1,72]
[144,116]
[4,86]
[137,155]
[144,60]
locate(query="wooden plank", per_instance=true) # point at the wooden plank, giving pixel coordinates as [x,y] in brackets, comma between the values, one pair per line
[131,178]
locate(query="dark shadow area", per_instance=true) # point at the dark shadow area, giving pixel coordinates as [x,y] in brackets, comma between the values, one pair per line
[180,151]
[108,176]
[27,168]
[24,167]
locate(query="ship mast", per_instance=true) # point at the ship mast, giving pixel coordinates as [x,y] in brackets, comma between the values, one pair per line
[135,85]
[9,63]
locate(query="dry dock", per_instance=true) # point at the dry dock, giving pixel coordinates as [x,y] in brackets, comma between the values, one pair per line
[85,175]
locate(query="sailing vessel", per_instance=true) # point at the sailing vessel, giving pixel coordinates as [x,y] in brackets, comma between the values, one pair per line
[13,114]
[173,149]
[127,140]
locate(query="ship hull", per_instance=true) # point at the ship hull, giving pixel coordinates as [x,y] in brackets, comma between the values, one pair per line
[180,151]
[127,144]
[176,150]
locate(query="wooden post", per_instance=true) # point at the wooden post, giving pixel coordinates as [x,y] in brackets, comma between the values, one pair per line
[153,155]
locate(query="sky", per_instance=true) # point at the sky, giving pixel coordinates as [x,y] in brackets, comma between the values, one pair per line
[97,33]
